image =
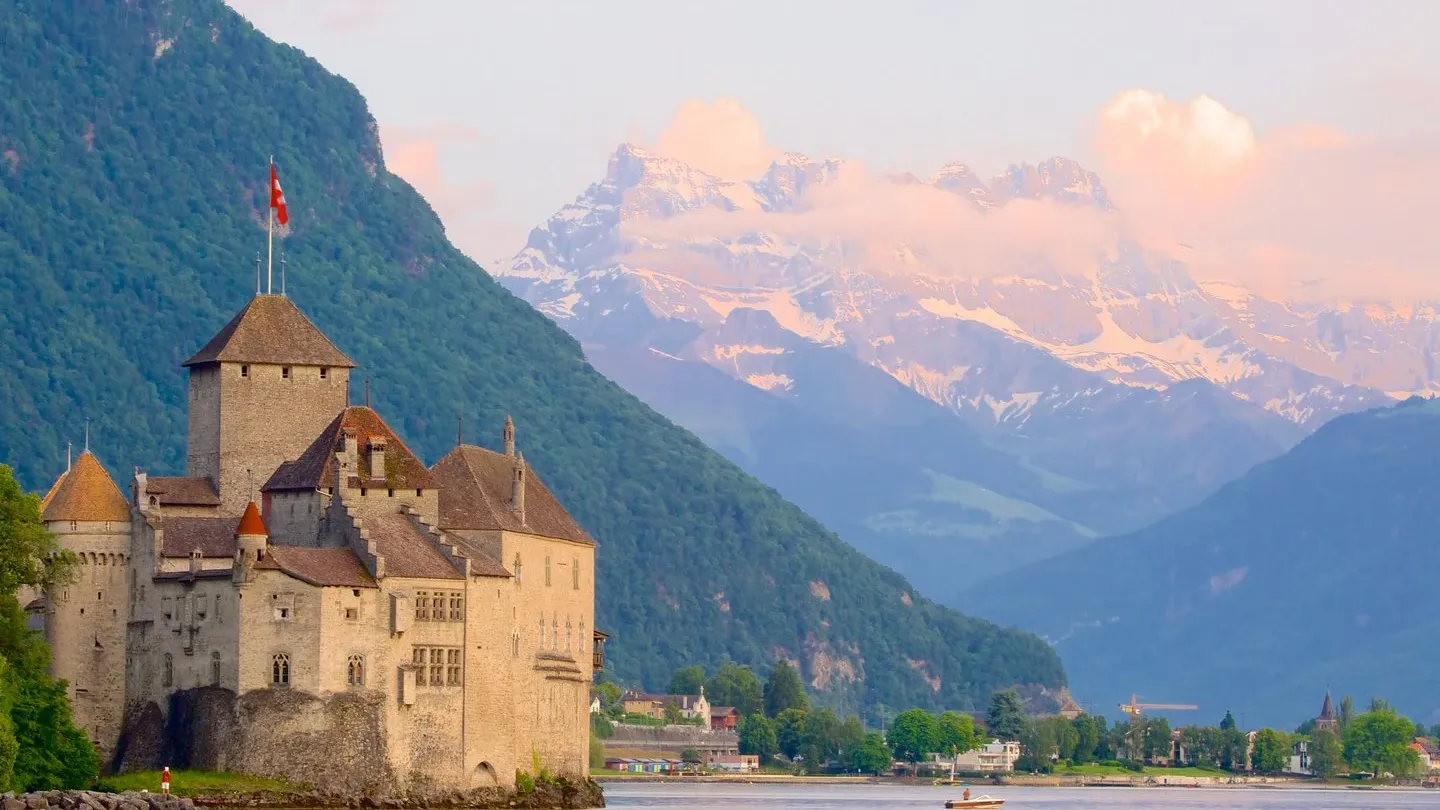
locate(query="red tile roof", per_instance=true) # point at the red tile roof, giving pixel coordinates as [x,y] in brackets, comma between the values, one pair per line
[408,552]
[251,523]
[214,537]
[177,491]
[271,329]
[325,567]
[86,492]
[475,486]
[316,466]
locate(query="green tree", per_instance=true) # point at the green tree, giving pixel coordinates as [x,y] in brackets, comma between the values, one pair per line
[872,755]
[609,694]
[597,752]
[757,736]
[673,715]
[1327,756]
[1228,722]
[957,733]
[1271,751]
[734,685]
[1379,742]
[1347,712]
[600,727]
[914,734]
[687,681]
[790,731]
[783,690]
[1006,719]
[1157,739]
[851,736]
[1233,749]
[1087,738]
[28,553]
[819,738]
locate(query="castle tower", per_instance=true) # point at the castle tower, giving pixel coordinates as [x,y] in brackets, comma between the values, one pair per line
[252,540]
[1327,719]
[85,618]
[260,391]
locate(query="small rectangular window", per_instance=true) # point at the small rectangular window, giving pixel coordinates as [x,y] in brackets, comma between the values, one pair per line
[422,606]
[457,607]
[452,667]
[285,372]
[575,572]
[324,373]
[352,614]
[244,371]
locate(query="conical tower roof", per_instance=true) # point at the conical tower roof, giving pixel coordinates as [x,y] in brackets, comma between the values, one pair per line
[1327,711]
[251,523]
[86,492]
[271,329]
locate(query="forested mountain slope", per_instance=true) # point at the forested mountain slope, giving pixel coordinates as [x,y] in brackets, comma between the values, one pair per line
[133,146]
[1307,574]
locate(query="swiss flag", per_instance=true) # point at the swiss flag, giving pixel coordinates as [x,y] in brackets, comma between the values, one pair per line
[277,197]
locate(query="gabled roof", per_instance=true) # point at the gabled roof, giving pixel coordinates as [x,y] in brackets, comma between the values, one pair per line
[475,488]
[325,567]
[212,537]
[316,466]
[482,564]
[407,551]
[271,329]
[179,491]
[86,492]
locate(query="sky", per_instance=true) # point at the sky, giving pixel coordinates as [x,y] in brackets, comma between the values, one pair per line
[500,113]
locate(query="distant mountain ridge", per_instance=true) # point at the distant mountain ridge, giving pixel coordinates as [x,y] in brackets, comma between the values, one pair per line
[1131,390]
[1298,578]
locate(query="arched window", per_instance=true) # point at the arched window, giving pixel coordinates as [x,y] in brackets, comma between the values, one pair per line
[355,670]
[518,577]
[280,670]
[169,670]
[515,643]
[215,668]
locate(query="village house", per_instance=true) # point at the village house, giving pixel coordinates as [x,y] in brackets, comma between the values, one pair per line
[310,600]
[691,707]
[724,718]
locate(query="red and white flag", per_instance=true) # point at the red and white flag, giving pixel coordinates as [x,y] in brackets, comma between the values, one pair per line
[277,197]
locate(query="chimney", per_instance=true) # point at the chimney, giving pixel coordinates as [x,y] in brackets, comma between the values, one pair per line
[377,458]
[517,489]
[509,436]
[352,451]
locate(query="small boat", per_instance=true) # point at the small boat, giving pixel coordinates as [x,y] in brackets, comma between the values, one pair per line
[978,801]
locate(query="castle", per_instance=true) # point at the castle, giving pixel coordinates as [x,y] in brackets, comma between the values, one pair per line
[311,601]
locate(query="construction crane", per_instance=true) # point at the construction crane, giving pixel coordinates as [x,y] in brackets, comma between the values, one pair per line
[1133,708]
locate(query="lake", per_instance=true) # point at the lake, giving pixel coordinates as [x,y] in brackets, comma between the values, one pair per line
[719,796]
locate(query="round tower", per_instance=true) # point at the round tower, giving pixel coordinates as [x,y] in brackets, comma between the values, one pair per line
[86,615]
[251,542]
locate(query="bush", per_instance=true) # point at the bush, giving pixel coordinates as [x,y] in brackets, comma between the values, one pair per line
[523,783]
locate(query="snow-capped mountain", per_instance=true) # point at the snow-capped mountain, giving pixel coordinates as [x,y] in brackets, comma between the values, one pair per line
[1114,370]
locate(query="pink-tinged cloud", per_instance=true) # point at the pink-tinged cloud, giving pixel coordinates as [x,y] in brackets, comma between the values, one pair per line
[1299,212]
[720,138]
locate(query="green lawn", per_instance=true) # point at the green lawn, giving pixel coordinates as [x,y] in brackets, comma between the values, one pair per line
[191,783]
[1092,769]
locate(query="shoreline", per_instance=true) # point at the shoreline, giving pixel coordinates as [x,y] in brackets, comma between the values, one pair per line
[1063,781]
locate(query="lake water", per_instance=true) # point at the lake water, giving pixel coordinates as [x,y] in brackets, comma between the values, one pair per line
[718,796]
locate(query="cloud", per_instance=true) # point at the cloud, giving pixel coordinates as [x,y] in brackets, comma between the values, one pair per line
[1302,211]
[720,137]
[887,227]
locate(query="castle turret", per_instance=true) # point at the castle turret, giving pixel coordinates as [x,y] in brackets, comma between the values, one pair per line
[85,616]
[517,489]
[507,436]
[252,540]
[260,391]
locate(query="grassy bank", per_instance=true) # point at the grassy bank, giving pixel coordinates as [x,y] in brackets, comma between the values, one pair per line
[194,783]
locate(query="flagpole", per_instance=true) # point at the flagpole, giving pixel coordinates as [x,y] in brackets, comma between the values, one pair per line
[270,232]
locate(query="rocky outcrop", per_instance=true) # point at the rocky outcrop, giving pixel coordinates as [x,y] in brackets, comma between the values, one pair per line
[556,794]
[92,800]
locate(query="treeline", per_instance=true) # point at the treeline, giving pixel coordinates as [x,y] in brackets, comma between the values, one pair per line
[780,726]
[40,747]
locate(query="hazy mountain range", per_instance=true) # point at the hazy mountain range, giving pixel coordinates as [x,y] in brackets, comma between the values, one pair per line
[952,424]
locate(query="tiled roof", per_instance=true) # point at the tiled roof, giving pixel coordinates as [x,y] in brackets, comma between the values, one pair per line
[481,563]
[316,466]
[271,329]
[55,487]
[86,493]
[475,488]
[179,491]
[407,551]
[251,523]
[214,537]
[326,567]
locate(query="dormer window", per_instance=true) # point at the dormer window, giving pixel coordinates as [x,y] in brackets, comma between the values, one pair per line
[244,371]
[285,372]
